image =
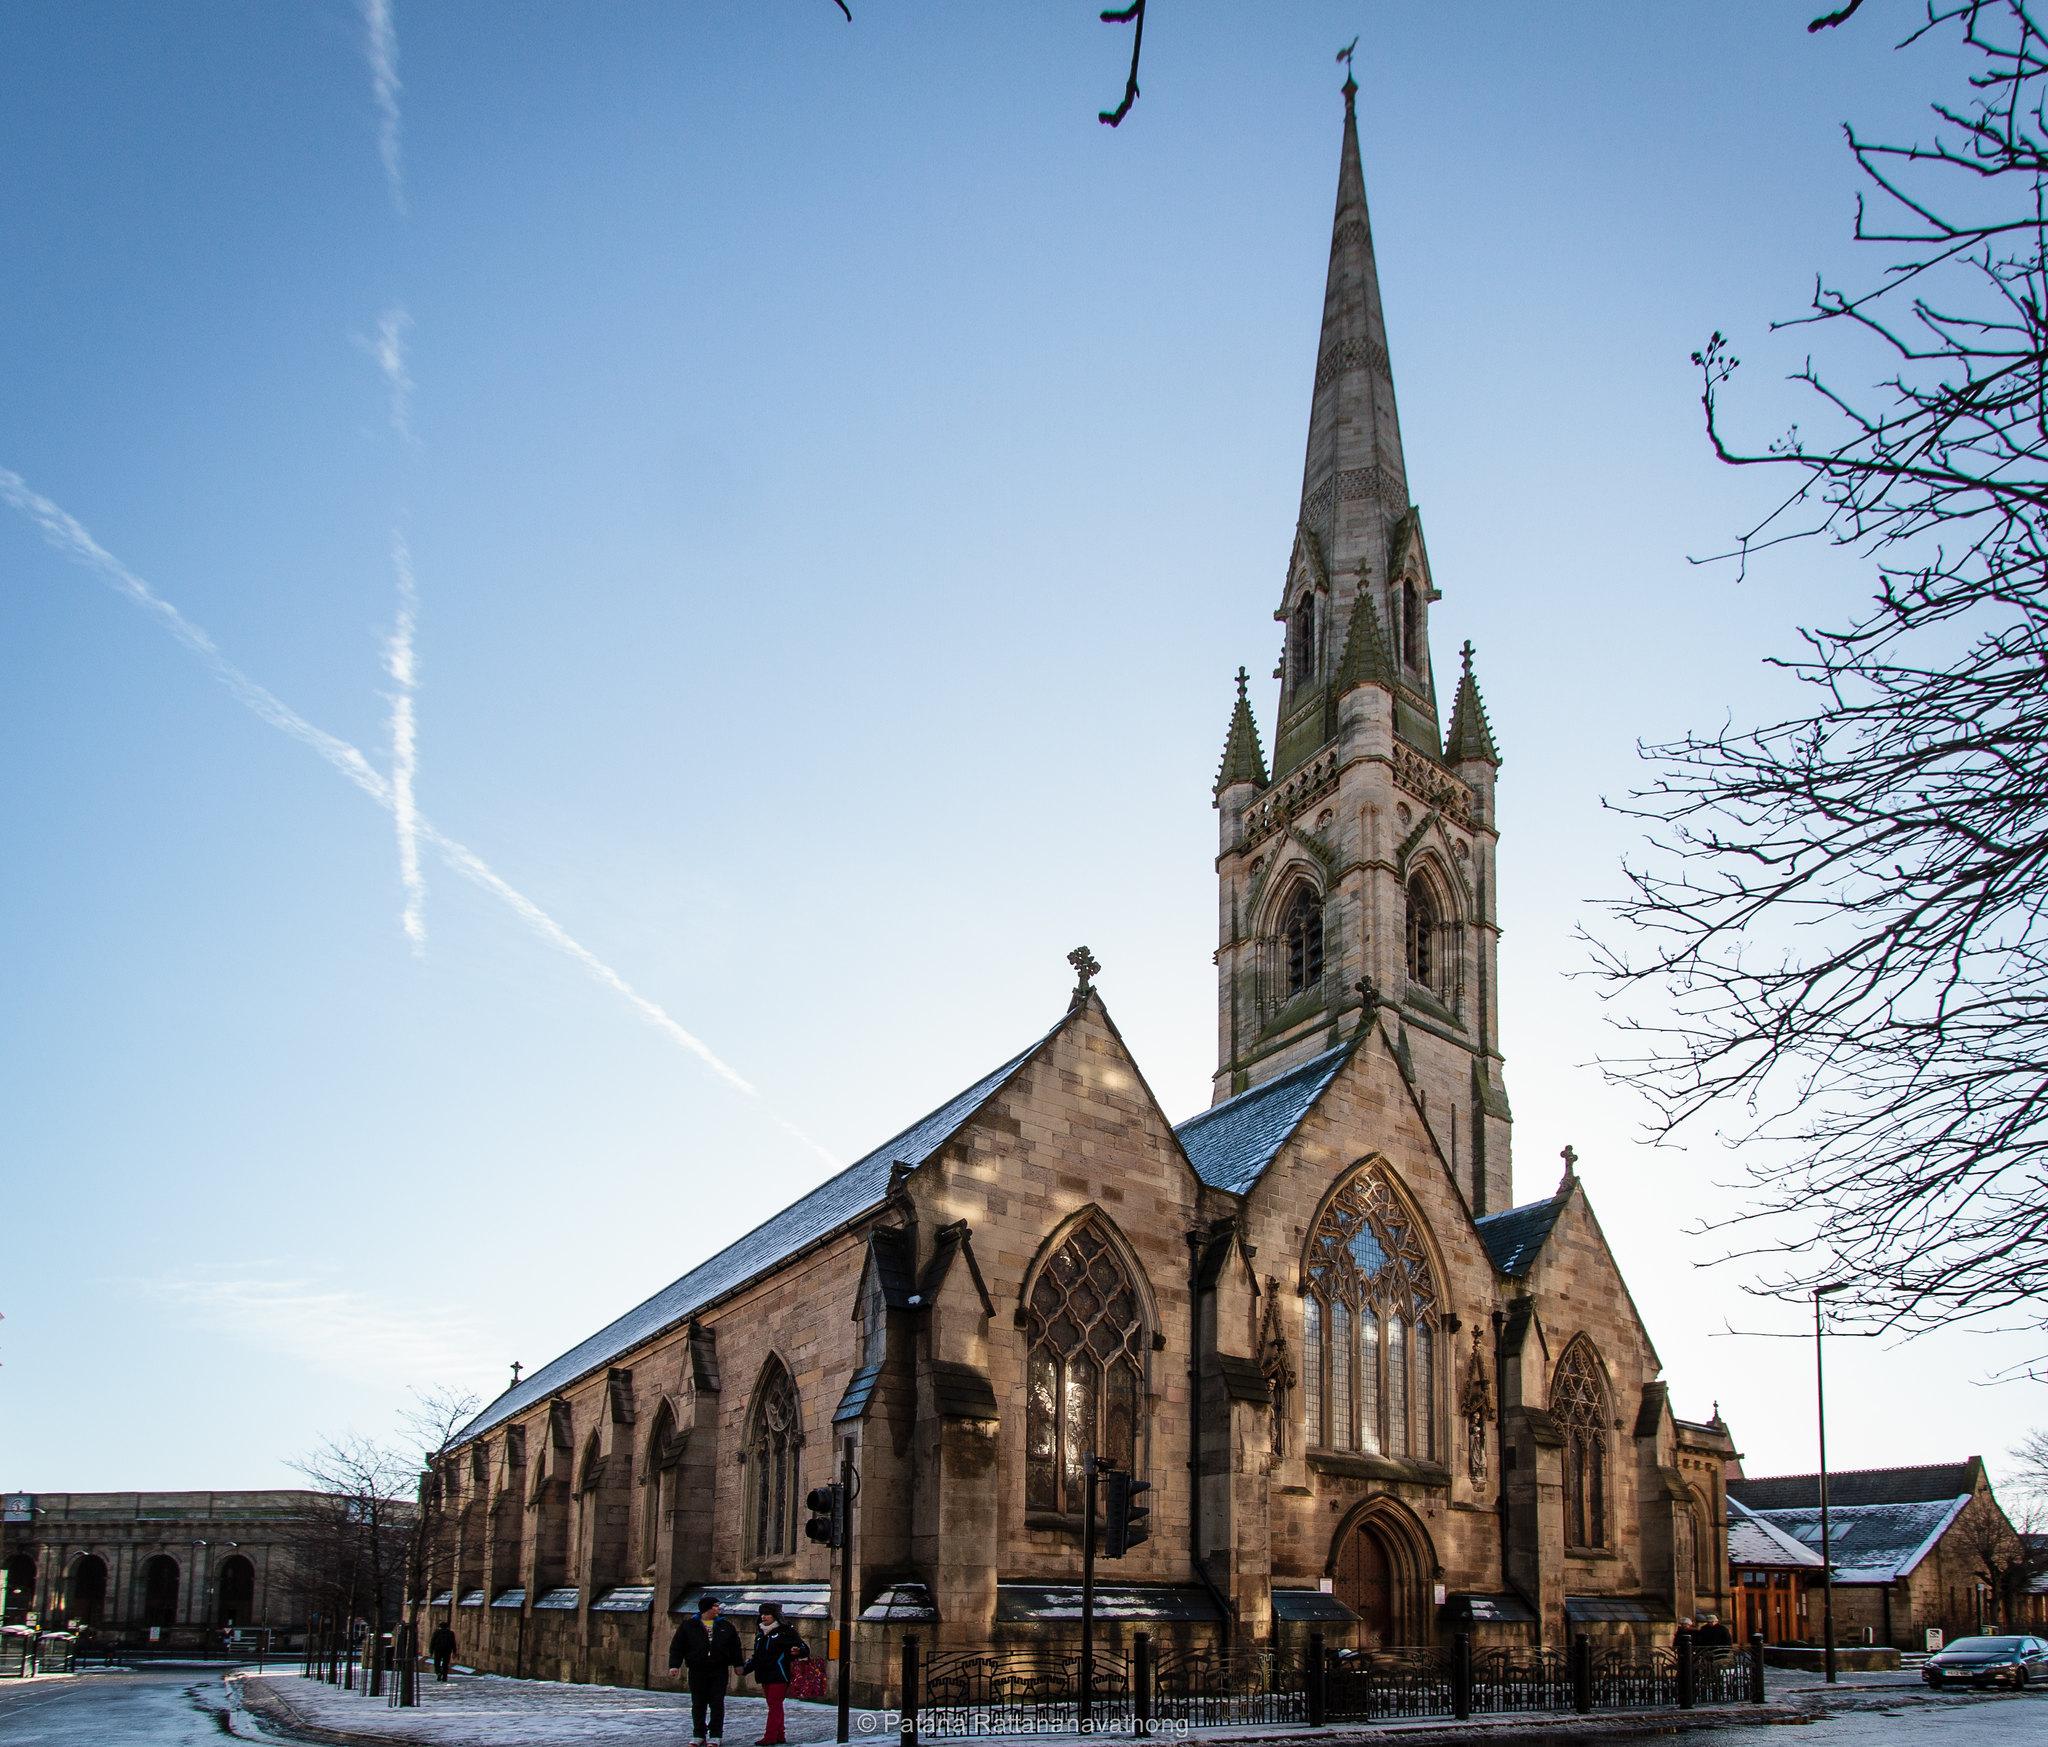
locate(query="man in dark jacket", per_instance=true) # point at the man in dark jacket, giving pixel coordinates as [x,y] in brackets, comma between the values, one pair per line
[777,1650]
[709,1648]
[1712,1635]
[441,1646]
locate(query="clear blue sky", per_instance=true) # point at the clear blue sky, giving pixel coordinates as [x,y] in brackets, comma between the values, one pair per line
[841,478]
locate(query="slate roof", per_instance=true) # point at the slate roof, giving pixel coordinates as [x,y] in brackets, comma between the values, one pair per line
[1231,1144]
[1756,1540]
[839,1200]
[1871,1543]
[1936,1480]
[1514,1236]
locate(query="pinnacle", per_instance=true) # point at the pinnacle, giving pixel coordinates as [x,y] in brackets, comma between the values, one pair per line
[1366,660]
[1244,761]
[1471,735]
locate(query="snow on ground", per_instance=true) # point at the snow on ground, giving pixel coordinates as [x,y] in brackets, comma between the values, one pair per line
[488,1710]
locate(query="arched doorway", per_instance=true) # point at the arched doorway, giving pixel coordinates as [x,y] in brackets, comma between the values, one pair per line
[21,1587]
[234,1601]
[1383,1567]
[85,1591]
[160,1591]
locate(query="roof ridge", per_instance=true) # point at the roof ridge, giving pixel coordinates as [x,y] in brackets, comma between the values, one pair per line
[595,1350]
[1281,1079]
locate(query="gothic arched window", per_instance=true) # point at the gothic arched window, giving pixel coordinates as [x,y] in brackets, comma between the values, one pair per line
[1578,1402]
[1303,629]
[1301,940]
[1369,1326]
[1424,935]
[1085,1377]
[774,1439]
[1411,626]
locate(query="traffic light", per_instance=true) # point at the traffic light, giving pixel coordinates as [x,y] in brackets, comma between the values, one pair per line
[828,1514]
[1124,1524]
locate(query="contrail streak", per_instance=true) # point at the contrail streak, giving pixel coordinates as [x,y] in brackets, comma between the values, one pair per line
[405,815]
[388,350]
[70,538]
[380,46]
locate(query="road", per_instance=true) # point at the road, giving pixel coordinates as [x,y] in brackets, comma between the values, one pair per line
[157,1707]
[189,1707]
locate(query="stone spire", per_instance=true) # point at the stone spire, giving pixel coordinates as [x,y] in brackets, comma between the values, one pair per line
[1471,735]
[1353,483]
[1243,759]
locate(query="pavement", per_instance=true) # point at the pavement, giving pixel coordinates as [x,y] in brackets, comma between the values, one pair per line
[155,1707]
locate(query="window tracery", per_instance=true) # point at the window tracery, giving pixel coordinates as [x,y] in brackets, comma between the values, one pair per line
[1084,1378]
[774,1440]
[1370,1326]
[1578,1403]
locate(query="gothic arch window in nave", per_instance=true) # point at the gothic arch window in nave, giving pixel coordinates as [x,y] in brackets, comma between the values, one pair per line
[1301,940]
[1085,1375]
[774,1438]
[1578,1402]
[1370,1329]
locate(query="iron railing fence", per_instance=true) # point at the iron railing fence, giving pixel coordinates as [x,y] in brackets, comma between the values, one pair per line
[1521,1680]
[1141,1690]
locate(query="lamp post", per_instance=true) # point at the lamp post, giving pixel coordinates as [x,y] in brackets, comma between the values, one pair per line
[1827,1546]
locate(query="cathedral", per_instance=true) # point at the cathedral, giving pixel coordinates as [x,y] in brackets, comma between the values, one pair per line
[1374,1394]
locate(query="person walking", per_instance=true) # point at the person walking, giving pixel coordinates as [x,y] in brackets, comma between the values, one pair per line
[441,1646]
[777,1650]
[710,1649]
[1712,1635]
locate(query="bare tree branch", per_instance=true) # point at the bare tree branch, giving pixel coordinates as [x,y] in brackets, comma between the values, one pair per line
[1836,940]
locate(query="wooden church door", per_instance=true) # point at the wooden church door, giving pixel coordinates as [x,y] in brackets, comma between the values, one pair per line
[1365,1584]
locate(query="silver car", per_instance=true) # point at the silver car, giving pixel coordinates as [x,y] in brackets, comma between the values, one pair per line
[1988,1662]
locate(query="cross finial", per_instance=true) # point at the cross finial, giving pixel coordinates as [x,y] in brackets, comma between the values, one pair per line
[1465,655]
[1368,1003]
[1086,969]
[516,1369]
[1243,680]
[1571,1163]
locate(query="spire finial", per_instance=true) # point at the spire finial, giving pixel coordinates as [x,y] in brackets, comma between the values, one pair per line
[1350,81]
[516,1369]
[1243,680]
[1571,1166]
[1465,655]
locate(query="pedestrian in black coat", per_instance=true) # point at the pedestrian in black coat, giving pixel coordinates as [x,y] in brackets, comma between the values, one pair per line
[710,1649]
[441,1646]
[1712,1635]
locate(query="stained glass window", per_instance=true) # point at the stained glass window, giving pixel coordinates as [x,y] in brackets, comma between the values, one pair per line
[1369,1325]
[1084,1381]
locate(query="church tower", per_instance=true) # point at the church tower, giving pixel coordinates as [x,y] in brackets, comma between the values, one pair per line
[1361,868]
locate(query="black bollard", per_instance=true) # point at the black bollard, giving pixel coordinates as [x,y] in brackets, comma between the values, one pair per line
[906,1704]
[1688,1676]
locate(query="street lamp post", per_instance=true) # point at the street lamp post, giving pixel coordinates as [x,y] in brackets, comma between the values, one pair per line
[1827,1546]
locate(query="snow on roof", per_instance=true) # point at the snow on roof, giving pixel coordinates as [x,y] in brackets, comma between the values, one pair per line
[1871,1543]
[1756,1540]
[1231,1144]
[838,1201]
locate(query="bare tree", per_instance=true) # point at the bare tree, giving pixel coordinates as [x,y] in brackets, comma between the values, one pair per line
[433,1421]
[2030,1468]
[1834,940]
[368,1545]
[2007,1554]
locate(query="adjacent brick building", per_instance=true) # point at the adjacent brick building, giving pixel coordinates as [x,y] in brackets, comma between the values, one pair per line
[1370,1391]
[1914,1549]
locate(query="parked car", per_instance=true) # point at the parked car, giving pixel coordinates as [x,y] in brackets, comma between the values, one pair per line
[1988,1662]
